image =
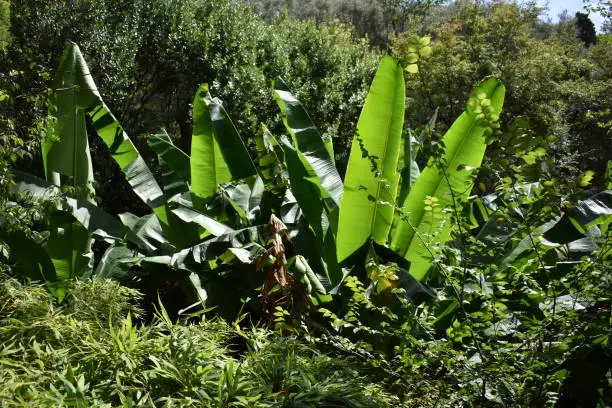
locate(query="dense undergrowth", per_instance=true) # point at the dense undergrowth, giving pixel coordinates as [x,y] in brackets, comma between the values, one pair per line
[93,351]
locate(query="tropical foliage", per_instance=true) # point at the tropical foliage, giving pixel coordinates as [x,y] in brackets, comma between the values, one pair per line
[452,254]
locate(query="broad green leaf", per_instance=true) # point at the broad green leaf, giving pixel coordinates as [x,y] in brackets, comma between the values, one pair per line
[129,160]
[196,258]
[230,142]
[69,247]
[65,148]
[116,263]
[245,197]
[310,146]
[579,218]
[218,154]
[306,193]
[31,260]
[146,232]
[371,179]
[209,224]
[75,91]
[524,245]
[94,219]
[320,219]
[174,164]
[465,145]
[207,166]
[269,156]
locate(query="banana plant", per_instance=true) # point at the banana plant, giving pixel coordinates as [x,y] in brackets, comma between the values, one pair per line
[442,187]
[371,180]
[386,200]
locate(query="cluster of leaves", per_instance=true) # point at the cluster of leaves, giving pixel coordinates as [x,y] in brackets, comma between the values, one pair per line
[553,81]
[152,56]
[91,351]
[520,314]
[517,320]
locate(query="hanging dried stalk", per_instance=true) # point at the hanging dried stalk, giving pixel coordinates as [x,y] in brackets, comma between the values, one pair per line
[278,273]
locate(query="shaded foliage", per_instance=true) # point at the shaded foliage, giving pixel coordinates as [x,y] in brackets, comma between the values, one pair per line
[151,56]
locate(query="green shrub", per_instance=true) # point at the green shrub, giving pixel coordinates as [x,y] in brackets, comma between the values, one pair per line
[94,354]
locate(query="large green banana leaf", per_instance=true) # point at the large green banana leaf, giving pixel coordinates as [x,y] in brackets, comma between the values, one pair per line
[65,148]
[579,218]
[30,259]
[218,154]
[307,193]
[371,177]
[310,146]
[465,145]
[147,234]
[210,225]
[577,228]
[245,197]
[116,263]
[322,221]
[75,91]
[68,245]
[269,156]
[121,264]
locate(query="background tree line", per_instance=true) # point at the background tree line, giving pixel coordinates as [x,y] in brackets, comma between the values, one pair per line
[148,57]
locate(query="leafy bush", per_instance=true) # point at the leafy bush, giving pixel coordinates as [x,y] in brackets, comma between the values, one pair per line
[91,352]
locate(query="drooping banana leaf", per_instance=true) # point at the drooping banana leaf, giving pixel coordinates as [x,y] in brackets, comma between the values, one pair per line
[321,241]
[75,91]
[269,155]
[174,163]
[307,193]
[121,264]
[117,262]
[465,146]
[371,177]
[311,148]
[184,210]
[95,220]
[147,233]
[579,218]
[245,197]
[218,154]
[230,143]
[31,260]
[197,258]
